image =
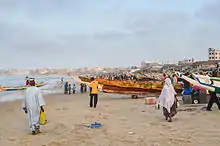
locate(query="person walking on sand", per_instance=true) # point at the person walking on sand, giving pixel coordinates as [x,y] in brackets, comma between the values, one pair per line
[213,98]
[33,105]
[81,87]
[85,87]
[168,100]
[93,92]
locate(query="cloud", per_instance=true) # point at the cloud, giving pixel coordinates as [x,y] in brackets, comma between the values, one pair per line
[112,35]
[22,38]
[207,32]
[210,11]
[162,33]
[102,33]
[164,20]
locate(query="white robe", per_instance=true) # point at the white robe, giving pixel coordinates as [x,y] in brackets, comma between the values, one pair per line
[33,100]
[167,96]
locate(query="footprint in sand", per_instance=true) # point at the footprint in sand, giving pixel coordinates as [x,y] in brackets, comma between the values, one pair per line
[61,127]
[12,139]
[61,109]
[166,126]
[154,124]
[53,144]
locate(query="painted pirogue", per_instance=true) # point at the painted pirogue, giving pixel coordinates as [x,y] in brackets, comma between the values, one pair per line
[131,87]
[104,81]
[15,88]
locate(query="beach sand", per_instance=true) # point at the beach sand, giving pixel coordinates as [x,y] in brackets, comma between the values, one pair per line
[126,122]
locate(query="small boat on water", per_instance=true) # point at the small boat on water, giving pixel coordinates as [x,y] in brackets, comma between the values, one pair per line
[15,88]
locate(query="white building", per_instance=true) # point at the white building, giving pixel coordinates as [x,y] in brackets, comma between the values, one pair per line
[186,61]
[214,54]
[147,64]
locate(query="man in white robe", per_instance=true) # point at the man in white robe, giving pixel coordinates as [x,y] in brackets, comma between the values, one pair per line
[33,104]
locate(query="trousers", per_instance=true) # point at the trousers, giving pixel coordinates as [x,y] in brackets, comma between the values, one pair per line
[213,99]
[93,100]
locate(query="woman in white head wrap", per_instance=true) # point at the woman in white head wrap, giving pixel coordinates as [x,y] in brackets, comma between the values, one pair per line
[167,100]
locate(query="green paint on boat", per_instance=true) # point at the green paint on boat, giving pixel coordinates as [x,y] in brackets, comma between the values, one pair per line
[215,79]
[217,90]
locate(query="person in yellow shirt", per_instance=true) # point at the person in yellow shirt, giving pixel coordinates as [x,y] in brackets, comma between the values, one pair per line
[93,92]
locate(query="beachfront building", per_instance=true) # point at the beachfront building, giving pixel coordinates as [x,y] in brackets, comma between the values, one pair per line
[148,64]
[186,61]
[214,54]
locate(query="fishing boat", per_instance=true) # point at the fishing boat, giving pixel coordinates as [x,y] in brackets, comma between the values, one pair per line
[211,84]
[140,79]
[15,88]
[123,83]
[84,79]
[128,90]
[131,87]
[215,81]
[154,89]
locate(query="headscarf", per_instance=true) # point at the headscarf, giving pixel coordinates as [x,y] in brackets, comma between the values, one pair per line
[167,96]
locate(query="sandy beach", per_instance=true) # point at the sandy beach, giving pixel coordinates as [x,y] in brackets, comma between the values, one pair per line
[125,122]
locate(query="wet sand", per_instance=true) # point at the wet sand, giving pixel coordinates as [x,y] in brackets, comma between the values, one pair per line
[126,122]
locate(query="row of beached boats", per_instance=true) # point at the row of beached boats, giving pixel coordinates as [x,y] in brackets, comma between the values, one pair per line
[140,87]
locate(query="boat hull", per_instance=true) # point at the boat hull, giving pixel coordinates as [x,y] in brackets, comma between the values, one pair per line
[133,90]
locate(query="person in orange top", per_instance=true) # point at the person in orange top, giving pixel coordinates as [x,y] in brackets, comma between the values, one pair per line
[93,92]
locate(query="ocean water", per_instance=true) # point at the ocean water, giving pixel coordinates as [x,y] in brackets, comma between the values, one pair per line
[53,85]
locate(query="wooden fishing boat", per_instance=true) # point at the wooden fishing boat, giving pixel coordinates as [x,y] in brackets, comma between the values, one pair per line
[210,84]
[124,83]
[128,90]
[15,88]
[215,81]
[140,79]
[132,87]
[136,90]
[84,79]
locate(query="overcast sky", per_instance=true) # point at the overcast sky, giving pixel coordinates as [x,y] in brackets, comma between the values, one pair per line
[78,33]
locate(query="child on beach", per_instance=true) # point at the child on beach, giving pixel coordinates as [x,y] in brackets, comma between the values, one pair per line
[69,89]
[74,88]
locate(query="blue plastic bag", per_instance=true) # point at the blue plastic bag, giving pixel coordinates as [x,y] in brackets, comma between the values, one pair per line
[95,125]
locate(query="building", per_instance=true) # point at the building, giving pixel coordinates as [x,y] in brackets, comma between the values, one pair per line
[214,54]
[148,64]
[186,61]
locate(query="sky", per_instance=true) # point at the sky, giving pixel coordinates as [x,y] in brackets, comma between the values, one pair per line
[107,33]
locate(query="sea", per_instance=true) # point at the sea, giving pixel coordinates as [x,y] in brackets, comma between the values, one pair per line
[53,85]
